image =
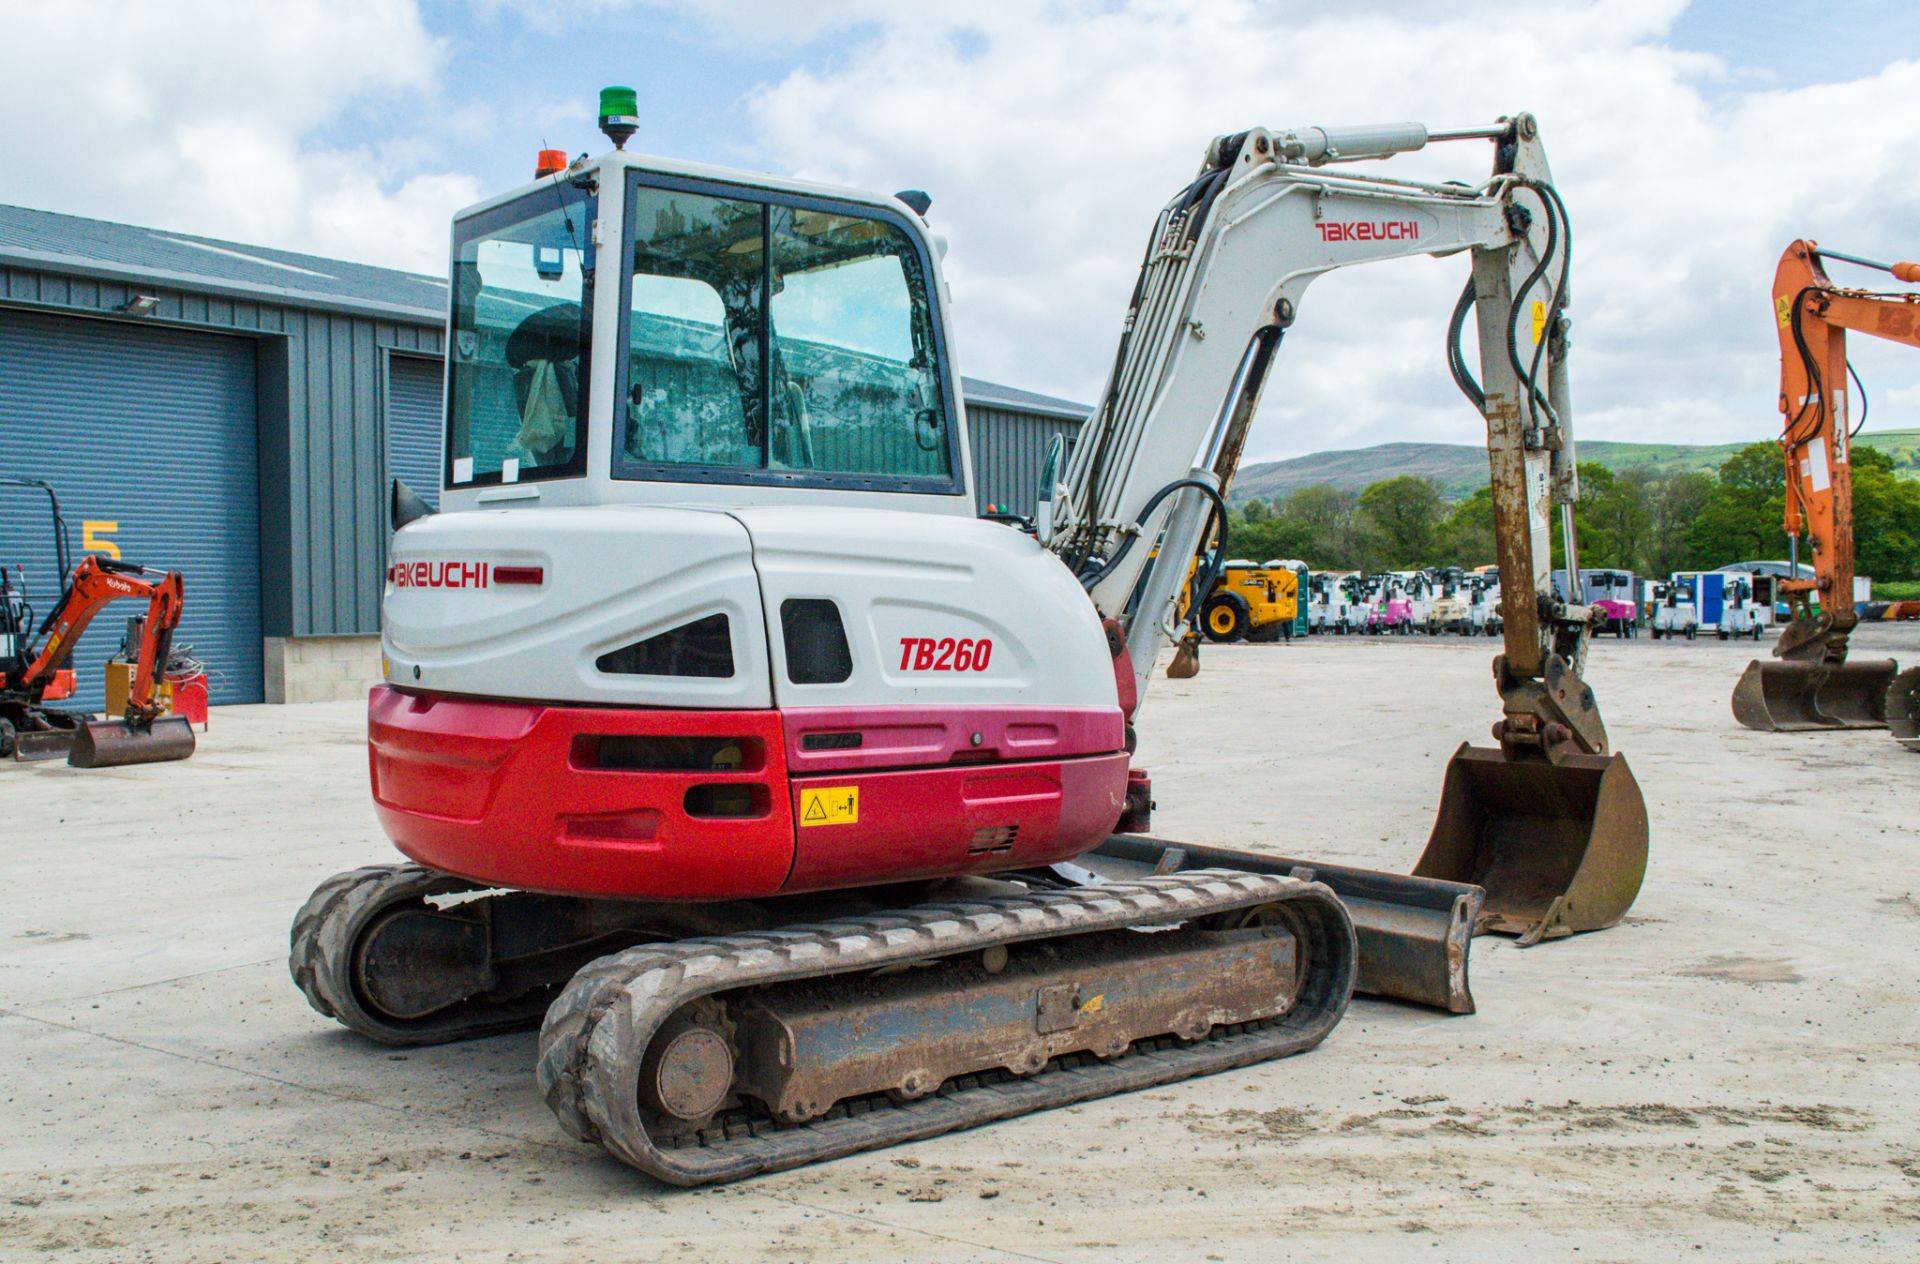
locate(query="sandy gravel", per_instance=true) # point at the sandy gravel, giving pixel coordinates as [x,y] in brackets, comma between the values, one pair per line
[1731,1074]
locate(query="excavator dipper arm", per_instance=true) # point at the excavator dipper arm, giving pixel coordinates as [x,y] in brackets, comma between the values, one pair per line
[1814,686]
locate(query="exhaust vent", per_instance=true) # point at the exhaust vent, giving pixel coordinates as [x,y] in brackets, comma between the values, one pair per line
[991,840]
[701,648]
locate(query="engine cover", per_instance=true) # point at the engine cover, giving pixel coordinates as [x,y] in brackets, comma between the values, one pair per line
[548,605]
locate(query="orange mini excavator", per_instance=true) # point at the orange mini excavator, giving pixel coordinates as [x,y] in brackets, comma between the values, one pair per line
[1814,686]
[31,659]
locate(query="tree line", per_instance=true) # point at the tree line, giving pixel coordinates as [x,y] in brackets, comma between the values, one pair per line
[1637,520]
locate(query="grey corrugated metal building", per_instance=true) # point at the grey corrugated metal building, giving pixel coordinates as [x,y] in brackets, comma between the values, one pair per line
[235,412]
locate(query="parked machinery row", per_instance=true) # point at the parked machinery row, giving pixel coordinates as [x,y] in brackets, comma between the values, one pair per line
[1455,601]
[1725,603]
[1402,603]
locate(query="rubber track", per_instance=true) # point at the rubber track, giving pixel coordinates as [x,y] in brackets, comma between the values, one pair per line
[320,956]
[598,1028]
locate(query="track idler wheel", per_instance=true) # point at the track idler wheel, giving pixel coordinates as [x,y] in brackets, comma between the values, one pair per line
[408,956]
[1560,847]
[687,1074]
[1796,697]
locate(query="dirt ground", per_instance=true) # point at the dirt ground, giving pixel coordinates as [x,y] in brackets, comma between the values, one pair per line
[1730,1074]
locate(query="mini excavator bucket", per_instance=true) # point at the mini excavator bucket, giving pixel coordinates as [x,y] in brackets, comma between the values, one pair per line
[1903,708]
[1796,696]
[1560,847]
[113,743]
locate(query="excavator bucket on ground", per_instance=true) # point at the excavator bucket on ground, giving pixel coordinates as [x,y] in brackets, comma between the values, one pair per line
[1903,708]
[113,743]
[1560,847]
[1793,697]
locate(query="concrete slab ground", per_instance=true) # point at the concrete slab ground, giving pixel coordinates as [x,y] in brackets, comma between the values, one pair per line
[1731,1074]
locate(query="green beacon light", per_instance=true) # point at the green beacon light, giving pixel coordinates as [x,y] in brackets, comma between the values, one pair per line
[619,114]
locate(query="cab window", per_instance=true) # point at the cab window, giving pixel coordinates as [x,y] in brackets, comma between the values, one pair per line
[522,284]
[780,343]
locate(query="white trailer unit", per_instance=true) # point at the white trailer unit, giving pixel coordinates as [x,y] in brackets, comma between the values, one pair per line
[1675,612]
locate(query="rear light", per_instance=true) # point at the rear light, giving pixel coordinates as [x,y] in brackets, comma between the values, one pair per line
[519,574]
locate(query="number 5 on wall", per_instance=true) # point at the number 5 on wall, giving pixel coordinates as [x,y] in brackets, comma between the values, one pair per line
[93,538]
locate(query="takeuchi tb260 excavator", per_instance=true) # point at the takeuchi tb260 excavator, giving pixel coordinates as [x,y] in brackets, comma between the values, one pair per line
[1814,686]
[800,800]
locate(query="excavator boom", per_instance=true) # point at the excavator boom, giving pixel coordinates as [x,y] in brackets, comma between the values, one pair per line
[1551,823]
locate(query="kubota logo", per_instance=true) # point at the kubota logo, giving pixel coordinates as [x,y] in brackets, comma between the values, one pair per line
[1371,230]
[438,574]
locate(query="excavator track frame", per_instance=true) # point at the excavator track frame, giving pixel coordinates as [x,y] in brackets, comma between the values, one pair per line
[595,1040]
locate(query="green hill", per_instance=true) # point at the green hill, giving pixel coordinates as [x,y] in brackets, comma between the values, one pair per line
[1459,468]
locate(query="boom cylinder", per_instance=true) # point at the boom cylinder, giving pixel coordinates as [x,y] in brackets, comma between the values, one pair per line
[1315,145]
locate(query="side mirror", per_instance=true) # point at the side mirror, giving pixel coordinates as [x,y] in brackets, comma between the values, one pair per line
[1050,486]
[926,429]
[406,506]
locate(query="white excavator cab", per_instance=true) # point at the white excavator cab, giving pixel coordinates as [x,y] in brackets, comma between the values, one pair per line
[636,331]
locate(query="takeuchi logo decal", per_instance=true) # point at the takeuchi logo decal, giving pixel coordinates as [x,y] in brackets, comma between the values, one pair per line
[1371,230]
[438,574]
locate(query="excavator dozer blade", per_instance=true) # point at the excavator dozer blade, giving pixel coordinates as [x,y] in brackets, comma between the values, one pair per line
[1559,847]
[1903,708]
[1795,697]
[113,743]
[43,744]
[1414,933]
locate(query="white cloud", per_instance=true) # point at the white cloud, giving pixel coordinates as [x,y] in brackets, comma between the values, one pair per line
[211,118]
[1048,136]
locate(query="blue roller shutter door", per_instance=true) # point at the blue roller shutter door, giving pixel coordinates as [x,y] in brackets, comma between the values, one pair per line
[414,424]
[151,429]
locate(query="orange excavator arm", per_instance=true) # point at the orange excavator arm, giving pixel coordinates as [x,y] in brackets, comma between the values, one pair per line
[1814,315]
[95,585]
[1814,686]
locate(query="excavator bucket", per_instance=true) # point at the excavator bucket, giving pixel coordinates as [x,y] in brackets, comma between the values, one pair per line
[113,743]
[1559,847]
[1793,697]
[1903,708]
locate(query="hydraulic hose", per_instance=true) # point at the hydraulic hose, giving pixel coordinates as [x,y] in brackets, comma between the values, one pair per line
[1456,357]
[1091,578]
[1529,374]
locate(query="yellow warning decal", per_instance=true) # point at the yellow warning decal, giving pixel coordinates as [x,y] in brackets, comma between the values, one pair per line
[1539,321]
[1783,310]
[833,805]
[1094,1005]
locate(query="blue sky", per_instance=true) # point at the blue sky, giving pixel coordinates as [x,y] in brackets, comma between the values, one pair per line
[1692,142]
